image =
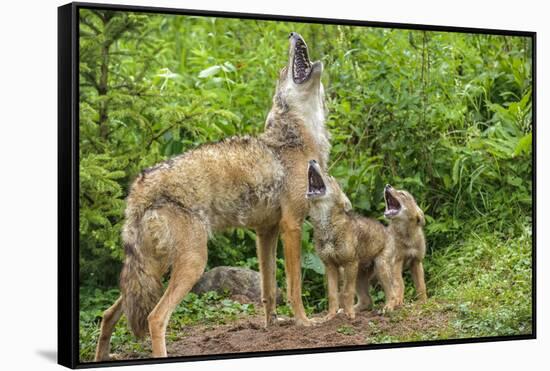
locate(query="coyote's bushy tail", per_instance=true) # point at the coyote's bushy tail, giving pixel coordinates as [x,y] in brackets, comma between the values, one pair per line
[140,284]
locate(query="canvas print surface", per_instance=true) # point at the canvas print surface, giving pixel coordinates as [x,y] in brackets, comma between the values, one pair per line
[254,185]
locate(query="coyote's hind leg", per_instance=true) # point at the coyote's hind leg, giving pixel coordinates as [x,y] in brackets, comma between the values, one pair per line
[190,244]
[110,319]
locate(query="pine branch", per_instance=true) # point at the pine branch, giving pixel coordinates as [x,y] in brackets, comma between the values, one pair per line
[164,131]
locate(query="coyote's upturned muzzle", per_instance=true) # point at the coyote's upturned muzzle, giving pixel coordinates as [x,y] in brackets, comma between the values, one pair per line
[302,68]
[393,206]
[316,186]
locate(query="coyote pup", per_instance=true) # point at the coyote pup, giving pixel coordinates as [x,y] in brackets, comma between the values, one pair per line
[346,242]
[407,249]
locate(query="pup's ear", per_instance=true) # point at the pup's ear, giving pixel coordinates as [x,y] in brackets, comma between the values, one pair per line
[420,218]
[347,204]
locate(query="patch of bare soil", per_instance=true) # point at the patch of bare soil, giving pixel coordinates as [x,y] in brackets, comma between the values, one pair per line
[248,334]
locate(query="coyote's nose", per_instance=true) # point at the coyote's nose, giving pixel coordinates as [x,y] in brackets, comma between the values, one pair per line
[388,186]
[294,35]
[312,162]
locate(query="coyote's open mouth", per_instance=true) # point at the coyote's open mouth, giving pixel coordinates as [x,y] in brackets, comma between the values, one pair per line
[315,185]
[393,206]
[301,65]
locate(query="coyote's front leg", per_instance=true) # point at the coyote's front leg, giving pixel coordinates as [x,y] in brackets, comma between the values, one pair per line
[417,271]
[291,228]
[266,245]
[350,277]
[332,288]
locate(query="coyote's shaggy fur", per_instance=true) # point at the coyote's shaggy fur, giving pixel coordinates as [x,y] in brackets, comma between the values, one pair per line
[255,182]
[358,248]
[406,222]
[346,242]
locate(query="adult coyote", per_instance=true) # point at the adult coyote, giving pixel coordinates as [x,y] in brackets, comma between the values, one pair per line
[256,182]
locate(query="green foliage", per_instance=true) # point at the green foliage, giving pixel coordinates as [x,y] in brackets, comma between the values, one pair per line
[490,276]
[208,308]
[447,116]
[100,209]
[346,330]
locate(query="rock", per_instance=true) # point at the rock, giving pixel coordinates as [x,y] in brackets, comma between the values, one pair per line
[238,282]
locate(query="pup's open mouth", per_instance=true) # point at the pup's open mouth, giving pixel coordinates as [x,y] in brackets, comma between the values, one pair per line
[315,185]
[393,206]
[301,65]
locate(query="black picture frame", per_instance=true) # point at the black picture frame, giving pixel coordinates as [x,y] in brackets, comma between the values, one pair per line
[68,182]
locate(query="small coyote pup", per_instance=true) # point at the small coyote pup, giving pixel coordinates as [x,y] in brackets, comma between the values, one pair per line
[346,242]
[407,249]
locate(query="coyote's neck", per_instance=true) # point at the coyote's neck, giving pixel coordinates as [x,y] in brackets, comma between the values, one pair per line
[296,129]
[405,234]
[328,221]
[312,112]
[320,217]
[315,125]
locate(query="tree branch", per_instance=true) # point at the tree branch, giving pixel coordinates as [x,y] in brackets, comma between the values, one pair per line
[162,132]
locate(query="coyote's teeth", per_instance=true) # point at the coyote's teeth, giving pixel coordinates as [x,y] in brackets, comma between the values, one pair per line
[301,64]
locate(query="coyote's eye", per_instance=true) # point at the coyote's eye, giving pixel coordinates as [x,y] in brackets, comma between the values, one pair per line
[404,194]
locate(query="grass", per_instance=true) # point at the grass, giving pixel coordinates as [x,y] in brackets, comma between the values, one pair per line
[477,288]
[209,308]
[346,330]
[489,278]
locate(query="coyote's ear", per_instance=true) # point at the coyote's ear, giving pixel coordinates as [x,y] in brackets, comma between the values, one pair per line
[420,218]
[322,98]
[347,204]
[269,121]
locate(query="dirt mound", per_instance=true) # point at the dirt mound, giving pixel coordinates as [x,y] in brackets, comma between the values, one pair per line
[248,334]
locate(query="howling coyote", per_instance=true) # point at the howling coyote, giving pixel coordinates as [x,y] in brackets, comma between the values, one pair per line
[360,249]
[255,182]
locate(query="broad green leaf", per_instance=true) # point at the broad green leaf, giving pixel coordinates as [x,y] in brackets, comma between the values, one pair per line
[210,71]
[524,145]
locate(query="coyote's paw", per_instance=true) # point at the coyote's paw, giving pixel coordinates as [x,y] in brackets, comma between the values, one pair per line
[317,320]
[361,307]
[350,315]
[270,320]
[388,308]
[303,322]
[107,357]
[422,299]
[275,320]
[399,302]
